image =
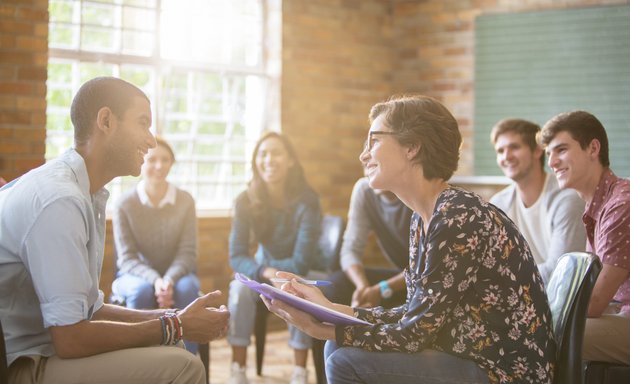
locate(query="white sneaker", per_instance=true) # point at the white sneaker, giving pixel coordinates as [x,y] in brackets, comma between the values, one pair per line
[237,375]
[299,376]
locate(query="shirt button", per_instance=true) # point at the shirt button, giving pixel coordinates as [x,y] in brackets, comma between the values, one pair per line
[430,291]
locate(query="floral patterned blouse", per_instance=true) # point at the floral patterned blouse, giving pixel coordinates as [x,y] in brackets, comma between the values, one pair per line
[473,291]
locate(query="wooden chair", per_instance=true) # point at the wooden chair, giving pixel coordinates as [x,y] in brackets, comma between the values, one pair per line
[330,246]
[569,292]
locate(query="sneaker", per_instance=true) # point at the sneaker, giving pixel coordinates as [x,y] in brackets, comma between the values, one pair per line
[299,376]
[237,375]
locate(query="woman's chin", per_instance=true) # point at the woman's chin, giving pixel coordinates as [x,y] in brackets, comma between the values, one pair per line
[374,182]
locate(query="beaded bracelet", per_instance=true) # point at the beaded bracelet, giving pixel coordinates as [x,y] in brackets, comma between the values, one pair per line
[172,328]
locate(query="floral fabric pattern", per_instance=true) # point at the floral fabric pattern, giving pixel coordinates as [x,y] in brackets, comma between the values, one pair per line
[474,291]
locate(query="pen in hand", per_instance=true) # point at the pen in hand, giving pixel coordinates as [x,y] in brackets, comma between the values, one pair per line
[317,283]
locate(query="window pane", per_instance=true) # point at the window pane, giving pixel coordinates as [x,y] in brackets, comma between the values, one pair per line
[139,76]
[59,123]
[214,128]
[58,144]
[94,14]
[175,127]
[62,36]
[98,39]
[92,70]
[60,11]
[235,28]
[137,43]
[140,3]
[211,114]
[138,19]
[59,97]
[60,72]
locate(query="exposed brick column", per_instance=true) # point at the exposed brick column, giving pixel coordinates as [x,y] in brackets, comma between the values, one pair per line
[23,62]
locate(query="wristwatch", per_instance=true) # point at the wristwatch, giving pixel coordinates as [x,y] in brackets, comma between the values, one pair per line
[386,290]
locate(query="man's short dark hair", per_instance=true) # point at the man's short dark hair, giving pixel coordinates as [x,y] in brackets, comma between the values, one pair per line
[583,128]
[526,129]
[111,92]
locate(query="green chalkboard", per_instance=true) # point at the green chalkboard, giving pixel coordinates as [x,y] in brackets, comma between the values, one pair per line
[535,65]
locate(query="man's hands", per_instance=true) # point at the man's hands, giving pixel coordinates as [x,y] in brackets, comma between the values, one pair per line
[367,296]
[202,321]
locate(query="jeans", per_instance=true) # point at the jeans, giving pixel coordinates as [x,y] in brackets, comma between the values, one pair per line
[140,294]
[242,305]
[355,365]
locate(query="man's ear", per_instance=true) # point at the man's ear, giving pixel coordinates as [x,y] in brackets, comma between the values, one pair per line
[538,152]
[593,149]
[105,120]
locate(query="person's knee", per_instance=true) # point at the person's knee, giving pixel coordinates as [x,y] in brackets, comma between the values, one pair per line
[186,366]
[299,339]
[142,297]
[339,363]
[239,294]
[329,348]
[186,290]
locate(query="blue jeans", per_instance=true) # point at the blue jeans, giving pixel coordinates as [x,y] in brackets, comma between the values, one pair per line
[140,294]
[355,365]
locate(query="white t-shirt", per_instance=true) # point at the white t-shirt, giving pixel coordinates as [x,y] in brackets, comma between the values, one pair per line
[534,225]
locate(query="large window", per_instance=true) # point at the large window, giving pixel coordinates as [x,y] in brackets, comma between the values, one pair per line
[202,64]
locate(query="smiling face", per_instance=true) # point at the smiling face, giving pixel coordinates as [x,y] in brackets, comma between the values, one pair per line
[383,160]
[515,158]
[570,162]
[157,164]
[273,161]
[132,138]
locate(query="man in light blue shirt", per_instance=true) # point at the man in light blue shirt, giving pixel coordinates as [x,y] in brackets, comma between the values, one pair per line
[52,230]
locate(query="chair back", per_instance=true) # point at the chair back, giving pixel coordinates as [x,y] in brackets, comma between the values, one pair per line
[569,292]
[4,369]
[330,240]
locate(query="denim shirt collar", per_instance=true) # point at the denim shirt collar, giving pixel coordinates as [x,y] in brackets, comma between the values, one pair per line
[76,162]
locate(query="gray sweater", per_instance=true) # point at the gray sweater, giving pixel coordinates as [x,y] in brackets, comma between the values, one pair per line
[156,242]
[389,220]
[564,214]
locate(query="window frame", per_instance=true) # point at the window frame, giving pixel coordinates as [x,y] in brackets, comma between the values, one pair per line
[158,69]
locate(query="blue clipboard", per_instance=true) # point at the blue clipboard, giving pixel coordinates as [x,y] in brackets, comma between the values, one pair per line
[323,314]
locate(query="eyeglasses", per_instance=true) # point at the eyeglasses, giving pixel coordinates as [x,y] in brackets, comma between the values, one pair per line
[370,141]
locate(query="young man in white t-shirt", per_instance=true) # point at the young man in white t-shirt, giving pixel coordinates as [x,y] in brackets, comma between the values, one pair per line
[549,218]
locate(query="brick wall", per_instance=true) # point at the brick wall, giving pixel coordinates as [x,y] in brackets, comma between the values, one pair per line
[23,60]
[434,43]
[337,62]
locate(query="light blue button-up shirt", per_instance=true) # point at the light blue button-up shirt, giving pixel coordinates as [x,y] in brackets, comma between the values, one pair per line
[52,234]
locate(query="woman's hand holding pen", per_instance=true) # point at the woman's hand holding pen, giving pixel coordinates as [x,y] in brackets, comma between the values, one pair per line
[307,292]
[302,320]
